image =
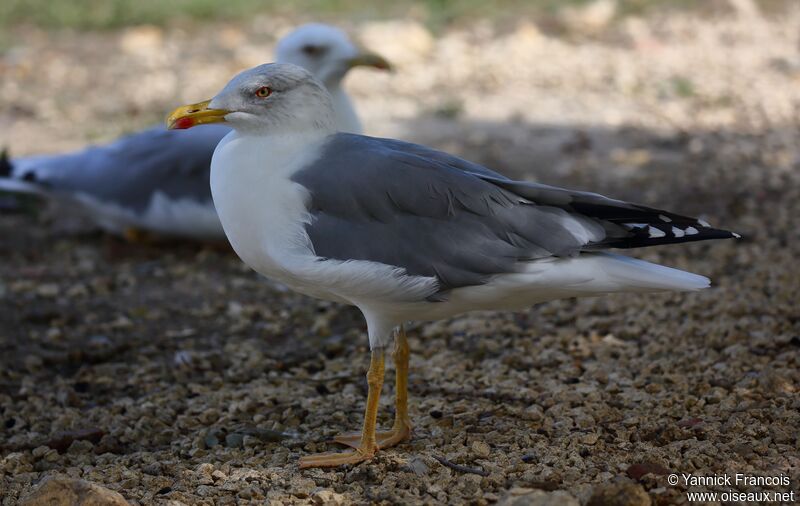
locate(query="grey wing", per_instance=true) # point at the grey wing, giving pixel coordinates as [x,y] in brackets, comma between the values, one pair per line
[437,215]
[132,170]
[627,224]
[440,157]
[374,200]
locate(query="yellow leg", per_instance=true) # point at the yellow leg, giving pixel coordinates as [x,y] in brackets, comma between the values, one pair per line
[401,430]
[367,445]
[138,236]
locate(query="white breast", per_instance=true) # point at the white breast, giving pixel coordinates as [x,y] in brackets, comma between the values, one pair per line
[263,212]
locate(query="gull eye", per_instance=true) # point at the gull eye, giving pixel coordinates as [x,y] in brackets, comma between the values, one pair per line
[264,92]
[312,50]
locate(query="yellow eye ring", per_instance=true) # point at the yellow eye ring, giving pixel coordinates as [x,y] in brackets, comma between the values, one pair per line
[264,92]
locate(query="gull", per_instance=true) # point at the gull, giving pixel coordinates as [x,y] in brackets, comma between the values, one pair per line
[156,181]
[405,232]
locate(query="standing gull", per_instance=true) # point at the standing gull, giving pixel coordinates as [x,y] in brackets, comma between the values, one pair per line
[405,232]
[157,180]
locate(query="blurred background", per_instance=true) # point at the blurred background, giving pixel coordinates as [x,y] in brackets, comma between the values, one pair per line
[88,71]
[163,352]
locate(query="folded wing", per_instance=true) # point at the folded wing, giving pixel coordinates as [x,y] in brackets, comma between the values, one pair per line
[130,171]
[434,214]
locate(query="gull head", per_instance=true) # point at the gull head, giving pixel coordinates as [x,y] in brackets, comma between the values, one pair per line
[270,98]
[326,52]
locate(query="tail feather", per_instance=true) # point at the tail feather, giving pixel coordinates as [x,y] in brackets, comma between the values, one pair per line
[586,275]
[13,183]
[633,275]
[19,186]
[5,164]
[603,272]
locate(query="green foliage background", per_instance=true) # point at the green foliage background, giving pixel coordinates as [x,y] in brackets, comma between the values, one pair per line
[110,14]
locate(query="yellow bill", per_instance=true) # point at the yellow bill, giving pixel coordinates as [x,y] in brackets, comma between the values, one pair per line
[191,115]
[367,59]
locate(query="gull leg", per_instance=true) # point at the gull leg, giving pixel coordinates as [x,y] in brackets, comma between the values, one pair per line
[137,236]
[401,430]
[367,445]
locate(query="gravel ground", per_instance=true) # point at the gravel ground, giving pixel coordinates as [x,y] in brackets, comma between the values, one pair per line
[174,375]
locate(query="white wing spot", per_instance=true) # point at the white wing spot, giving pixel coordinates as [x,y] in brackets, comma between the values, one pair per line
[691,231]
[736,235]
[678,232]
[704,223]
[664,218]
[655,232]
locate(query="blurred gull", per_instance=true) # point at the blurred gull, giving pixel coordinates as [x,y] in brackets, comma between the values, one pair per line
[405,232]
[157,180]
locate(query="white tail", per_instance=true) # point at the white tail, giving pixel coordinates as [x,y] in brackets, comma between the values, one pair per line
[625,274]
[19,186]
[586,275]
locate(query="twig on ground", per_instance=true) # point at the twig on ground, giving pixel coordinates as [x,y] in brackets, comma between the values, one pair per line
[326,379]
[461,469]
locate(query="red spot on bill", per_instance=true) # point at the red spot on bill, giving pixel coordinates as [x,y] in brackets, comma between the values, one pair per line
[183,123]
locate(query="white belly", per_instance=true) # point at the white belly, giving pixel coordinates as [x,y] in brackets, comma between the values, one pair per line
[177,218]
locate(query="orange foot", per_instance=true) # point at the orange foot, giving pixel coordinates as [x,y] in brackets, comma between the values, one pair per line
[337,459]
[386,439]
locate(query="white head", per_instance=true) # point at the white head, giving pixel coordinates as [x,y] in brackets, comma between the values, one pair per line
[325,51]
[273,98]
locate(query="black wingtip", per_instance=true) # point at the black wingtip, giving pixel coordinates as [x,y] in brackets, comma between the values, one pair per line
[646,226]
[656,234]
[5,163]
